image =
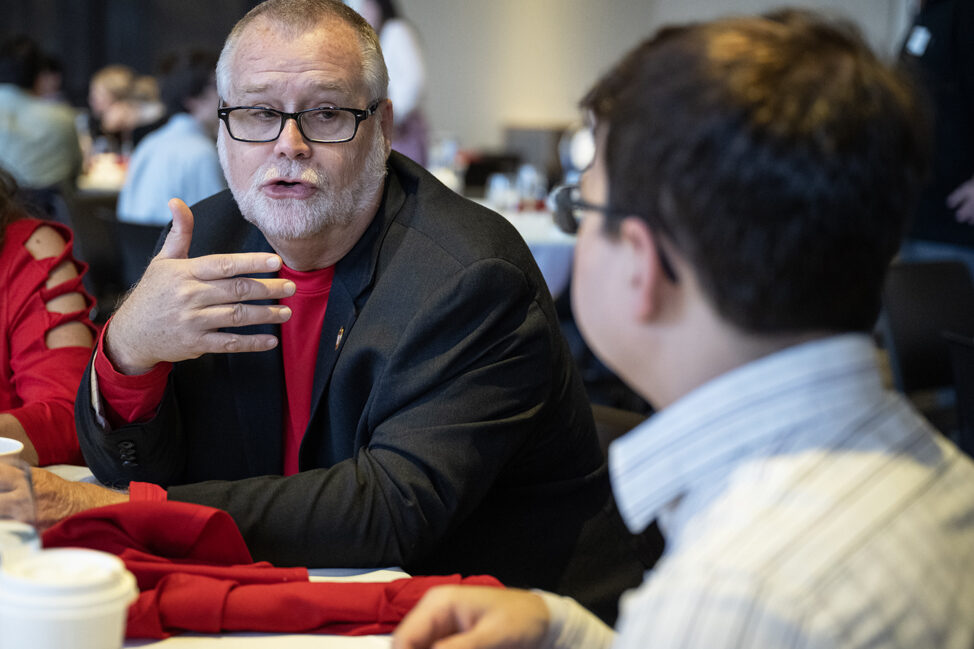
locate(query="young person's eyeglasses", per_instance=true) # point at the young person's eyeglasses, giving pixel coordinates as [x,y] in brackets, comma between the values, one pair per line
[568,210]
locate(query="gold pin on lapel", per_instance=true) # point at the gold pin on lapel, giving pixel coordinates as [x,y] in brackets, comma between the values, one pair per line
[338,341]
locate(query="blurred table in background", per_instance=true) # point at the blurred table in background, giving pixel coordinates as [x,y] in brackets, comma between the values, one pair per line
[105,174]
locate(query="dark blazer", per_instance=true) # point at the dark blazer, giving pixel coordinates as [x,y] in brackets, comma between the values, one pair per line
[449,429]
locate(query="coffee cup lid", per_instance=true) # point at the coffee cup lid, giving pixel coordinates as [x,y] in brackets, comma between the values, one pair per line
[72,577]
[10,447]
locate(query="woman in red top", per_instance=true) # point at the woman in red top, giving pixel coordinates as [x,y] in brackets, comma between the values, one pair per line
[45,333]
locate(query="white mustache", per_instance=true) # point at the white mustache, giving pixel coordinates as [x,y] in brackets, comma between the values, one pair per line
[292,169]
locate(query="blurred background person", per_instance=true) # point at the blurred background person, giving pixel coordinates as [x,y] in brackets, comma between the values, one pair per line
[45,333]
[179,159]
[109,112]
[38,140]
[124,107]
[49,83]
[939,52]
[407,75]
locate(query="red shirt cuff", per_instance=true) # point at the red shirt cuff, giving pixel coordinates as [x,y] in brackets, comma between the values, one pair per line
[128,398]
[146,492]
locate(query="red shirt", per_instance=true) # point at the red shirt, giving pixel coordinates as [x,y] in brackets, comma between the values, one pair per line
[299,348]
[38,384]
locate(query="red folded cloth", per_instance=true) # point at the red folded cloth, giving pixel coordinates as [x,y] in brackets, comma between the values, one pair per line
[196,574]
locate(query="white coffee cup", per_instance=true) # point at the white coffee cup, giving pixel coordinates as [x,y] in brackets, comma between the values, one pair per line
[10,447]
[65,599]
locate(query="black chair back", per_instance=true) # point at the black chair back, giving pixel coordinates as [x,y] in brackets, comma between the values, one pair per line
[136,245]
[92,216]
[920,301]
[962,361]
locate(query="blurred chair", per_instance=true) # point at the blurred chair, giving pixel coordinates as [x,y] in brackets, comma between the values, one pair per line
[136,245]
[962,361]
[537,146]
[45,203]
[921,300]
[92,217]
[482,165]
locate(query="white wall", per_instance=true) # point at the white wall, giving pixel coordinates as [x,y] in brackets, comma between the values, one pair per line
[527,62]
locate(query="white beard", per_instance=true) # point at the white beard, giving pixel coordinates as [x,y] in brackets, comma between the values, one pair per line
[336,203]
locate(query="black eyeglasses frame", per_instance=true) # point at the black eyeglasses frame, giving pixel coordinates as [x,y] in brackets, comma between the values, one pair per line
[566,201]
[223,112]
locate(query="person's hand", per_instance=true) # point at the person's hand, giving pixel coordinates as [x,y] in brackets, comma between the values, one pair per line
[175,311]
[961,200]
[474,617]
[54,497]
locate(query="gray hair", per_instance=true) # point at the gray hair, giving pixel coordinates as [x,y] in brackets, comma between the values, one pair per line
[297,17]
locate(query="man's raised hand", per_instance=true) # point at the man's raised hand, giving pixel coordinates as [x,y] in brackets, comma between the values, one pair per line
[176,310]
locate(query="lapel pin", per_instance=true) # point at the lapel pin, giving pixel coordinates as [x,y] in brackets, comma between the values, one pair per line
[338,340]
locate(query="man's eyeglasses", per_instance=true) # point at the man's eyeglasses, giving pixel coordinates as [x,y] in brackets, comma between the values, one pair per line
[327,125]
[568,211]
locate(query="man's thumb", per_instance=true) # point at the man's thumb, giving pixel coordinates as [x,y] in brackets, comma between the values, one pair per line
[180,235]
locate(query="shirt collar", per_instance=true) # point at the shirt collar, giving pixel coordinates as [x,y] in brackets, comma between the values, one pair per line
[730,417]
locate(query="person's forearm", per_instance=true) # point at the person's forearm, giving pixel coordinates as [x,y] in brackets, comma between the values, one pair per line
[56,498]
[11,427]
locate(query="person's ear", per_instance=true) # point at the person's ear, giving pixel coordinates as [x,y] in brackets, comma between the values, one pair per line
[384,113]
[647,277]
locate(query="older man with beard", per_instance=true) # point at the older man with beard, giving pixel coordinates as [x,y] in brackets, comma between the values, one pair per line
[361,367]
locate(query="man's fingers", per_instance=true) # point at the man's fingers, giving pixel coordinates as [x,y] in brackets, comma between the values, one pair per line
[432,619]
[200,295]
[180,235]
[955,198]
[963,193]
[225,266]
[242,315]
[230,343]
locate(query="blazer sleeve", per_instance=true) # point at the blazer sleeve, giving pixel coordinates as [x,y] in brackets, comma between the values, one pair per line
[108,452]
[462,393]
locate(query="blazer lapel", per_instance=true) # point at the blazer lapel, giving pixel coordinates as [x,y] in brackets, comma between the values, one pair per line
[354,275]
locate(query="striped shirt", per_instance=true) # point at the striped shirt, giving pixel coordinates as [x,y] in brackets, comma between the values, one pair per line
[803,506]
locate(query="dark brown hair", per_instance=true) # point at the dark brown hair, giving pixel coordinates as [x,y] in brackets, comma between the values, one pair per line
[776,154]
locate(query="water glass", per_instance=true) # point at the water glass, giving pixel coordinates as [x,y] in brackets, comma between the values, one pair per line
[18,531]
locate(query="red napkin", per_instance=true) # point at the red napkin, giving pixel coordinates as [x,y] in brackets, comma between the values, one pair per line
[196,574]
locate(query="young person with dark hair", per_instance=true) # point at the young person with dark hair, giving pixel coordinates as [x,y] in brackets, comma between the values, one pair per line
[752,178]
